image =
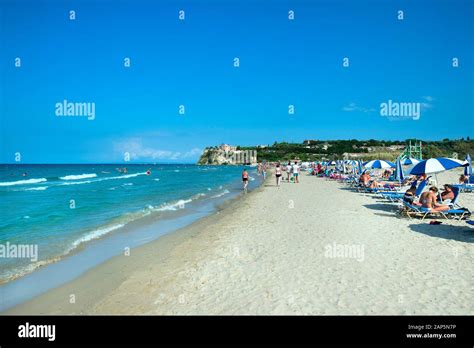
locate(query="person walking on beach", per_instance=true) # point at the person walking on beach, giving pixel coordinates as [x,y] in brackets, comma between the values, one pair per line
[245,179]
[278,174]
[264,171]
[296,172]
[288,171]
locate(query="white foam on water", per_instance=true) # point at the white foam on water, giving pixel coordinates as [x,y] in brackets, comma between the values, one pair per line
[77,177]
[103,179]
[22,182]
[97,233]
[221,194]
[125,176]
[18,272]
[77,182]
[39,188]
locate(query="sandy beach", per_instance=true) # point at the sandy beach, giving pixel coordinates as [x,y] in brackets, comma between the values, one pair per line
[275,251]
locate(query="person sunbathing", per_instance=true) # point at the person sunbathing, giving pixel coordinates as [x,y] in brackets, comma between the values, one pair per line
[447,195]
[428,200]
[364,179]
[376,184]
[410,195]
[409,181]
[463,179]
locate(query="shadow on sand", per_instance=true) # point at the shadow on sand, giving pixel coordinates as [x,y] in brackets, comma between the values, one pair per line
[461,233]
[392,208]
[352,189]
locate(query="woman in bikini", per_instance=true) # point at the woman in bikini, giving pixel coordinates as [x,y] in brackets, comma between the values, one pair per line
[245,179]
[429,200]
[278,174]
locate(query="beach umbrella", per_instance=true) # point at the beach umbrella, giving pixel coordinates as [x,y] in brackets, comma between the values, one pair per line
[399,171]
[332,163]
[436,165]
[409,161]
[379,164]
[468,168]
[360,169]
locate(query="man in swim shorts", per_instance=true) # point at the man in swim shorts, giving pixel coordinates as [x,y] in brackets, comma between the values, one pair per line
[296,172]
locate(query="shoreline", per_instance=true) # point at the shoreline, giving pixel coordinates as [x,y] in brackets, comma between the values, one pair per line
[161,247]
[135,234]
[258,255]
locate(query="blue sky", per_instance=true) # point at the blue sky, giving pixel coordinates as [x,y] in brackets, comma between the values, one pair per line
[190,63]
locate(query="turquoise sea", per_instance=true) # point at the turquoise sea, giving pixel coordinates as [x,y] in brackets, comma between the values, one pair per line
[60,208]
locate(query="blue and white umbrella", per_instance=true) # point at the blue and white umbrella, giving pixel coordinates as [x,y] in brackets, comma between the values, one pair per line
[399,171]
[468,168]
[436,165]
[332,163]
[379,164]
[409,161]
[359,165]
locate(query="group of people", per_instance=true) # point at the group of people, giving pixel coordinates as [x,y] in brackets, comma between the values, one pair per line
[292,173]
[262,169]
[432,199]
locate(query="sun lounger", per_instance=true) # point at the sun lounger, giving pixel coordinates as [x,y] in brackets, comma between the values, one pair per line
[397,195]
[464,187]
[417,211]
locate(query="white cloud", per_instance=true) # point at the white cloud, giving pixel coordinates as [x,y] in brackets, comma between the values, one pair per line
[139,151]
[428,98]
[355,107]
[427,104]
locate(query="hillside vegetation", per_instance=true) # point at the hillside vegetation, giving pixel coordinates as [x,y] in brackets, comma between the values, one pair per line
[312,150]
